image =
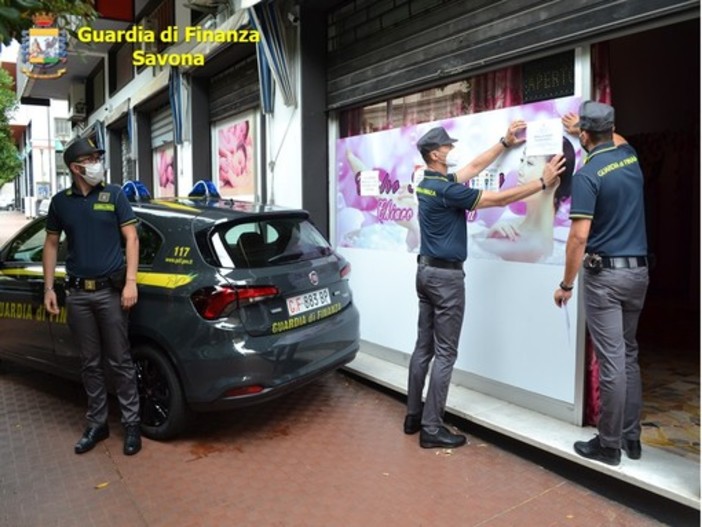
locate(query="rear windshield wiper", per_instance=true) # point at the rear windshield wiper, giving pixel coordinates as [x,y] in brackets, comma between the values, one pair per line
[285,257]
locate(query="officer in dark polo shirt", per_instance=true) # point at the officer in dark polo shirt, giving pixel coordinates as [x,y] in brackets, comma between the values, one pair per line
[608,237]
[443,200]
[100,287]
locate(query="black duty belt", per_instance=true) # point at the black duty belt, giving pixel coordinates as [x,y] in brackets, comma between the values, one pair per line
[438,262]
[87,284]
[624,262]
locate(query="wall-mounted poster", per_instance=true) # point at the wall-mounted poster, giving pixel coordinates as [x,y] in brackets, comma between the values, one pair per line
[43,190]
[235,157]
[533,230]
[164,171]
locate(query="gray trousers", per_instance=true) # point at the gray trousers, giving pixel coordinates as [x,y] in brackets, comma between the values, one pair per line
[614,299]
[99,326]
[441,295]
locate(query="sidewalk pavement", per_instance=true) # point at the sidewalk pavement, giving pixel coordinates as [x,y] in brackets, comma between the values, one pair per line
[332,454]
[10,222]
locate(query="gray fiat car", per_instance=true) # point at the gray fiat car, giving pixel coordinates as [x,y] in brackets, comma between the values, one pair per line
[238,303]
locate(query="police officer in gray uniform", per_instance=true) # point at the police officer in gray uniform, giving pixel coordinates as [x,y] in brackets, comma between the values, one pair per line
[443,200]
[608,236]
[100,287]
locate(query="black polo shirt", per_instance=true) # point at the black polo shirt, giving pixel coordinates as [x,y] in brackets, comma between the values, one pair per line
[608,189]
[92,225]
[442,215]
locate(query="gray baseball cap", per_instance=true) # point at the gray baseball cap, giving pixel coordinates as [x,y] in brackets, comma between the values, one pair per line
[433,139]
[596,116]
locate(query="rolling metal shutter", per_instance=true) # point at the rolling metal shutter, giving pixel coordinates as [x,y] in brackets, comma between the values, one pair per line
[382,48]
[128,165]
[161,126]
[234,90]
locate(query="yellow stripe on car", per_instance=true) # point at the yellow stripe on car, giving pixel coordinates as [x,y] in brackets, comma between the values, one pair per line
[177,206]
[165,280]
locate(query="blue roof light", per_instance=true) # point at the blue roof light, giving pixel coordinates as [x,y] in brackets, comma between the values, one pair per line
[136,191]
[204,188]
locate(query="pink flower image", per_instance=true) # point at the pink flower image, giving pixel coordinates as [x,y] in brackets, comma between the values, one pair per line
[165,171]
[236,159]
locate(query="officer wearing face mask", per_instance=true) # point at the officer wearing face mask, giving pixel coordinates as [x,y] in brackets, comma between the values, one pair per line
[443,200]
[100,287]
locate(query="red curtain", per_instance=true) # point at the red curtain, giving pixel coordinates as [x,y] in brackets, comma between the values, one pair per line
[601,89]
[601,92]
[496,89]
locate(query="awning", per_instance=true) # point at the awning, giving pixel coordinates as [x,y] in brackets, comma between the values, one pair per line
[131,127]
[174,97]
[266,18]
[265,80]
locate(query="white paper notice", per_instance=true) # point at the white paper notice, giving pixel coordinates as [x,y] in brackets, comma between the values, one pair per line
[544,138]
[369,183]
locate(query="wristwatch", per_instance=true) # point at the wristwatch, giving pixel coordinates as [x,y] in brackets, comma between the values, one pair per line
[565,287]
[504,142]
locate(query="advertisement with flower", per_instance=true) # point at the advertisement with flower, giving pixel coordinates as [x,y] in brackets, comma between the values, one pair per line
[235,159]
[164,171]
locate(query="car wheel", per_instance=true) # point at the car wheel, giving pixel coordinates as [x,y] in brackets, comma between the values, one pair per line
[164,412]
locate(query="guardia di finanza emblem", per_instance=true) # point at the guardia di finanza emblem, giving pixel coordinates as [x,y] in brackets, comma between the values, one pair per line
[44,48]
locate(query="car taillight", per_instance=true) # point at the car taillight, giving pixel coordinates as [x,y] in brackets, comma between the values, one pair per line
[345,270]
[244,390]
[216,302]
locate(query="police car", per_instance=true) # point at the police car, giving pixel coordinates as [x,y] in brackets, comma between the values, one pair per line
[238,303]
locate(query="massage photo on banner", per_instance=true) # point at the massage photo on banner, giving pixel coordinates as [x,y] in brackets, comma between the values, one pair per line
[234,157]
[376,207]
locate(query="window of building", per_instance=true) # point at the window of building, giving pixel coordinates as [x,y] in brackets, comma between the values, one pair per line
[121,66]
[62,129]
[533,81]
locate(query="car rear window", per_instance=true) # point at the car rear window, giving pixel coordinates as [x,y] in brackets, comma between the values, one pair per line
[272,241]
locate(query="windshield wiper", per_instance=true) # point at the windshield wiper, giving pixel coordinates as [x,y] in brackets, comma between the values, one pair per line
[285,257]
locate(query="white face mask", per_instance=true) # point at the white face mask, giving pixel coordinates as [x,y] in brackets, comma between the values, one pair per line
[94,173]
[452,159]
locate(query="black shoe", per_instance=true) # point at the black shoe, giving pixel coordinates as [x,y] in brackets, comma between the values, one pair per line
[594,450]
[91,437]
[632,447]
[441,439]
[132,439]
[413,423]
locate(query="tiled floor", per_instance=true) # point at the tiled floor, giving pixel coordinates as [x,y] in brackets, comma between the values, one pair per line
[331,454]
[671,412]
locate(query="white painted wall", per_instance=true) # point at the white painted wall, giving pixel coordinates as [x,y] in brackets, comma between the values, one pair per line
[284,147]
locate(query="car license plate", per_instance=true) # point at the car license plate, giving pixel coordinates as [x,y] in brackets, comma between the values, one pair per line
[303,303]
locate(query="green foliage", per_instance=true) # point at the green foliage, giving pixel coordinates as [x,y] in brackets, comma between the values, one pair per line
[16,15]
[10,163]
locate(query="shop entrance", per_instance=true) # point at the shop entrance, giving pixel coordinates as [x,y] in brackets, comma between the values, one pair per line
[655,85]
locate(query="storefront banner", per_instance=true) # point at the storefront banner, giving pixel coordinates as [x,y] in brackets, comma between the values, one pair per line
[234,157]
[530,231]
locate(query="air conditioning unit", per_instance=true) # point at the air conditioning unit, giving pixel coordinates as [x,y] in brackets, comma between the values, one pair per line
[77,108]
[206,6]
[150,24]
